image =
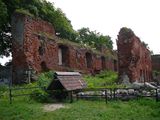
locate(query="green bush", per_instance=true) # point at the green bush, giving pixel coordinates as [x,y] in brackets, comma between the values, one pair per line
[38,94]
[45,78]
[3,90]
[41,95]
[104,79]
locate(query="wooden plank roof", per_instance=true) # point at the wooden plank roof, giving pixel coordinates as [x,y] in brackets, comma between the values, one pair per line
[69,80]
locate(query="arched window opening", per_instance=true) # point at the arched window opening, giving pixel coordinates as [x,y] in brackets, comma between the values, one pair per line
[89,60]
[63,55]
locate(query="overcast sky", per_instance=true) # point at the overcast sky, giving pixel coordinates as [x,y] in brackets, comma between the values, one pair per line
[108,16]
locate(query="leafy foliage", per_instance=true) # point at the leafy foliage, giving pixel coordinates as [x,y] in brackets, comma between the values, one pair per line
[39,8]
[46,11]
[45,78]
[127,33]
[3,14]
[3,89]
[41,95]
[36,90]
[93,39]
[5,43]
[104,79]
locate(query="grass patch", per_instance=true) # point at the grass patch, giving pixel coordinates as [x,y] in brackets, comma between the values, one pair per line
[25,108]
[35,90]
[104,79]
[142,109]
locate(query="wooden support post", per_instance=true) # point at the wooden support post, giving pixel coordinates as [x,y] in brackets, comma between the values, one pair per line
[71,97]
[114,93]
[77,96]
[10,95]
[111,93]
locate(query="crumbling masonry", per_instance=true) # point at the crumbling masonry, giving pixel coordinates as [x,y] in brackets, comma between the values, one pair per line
[133,56]
[36,48]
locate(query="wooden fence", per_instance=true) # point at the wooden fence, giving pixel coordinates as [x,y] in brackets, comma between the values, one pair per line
[118,93]
[11,89]
[90,93]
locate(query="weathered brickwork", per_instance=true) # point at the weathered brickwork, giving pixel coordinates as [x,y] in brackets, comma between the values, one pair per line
[134,58]
[36,48]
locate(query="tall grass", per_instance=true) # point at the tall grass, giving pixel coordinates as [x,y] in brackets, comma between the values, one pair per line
[104,79]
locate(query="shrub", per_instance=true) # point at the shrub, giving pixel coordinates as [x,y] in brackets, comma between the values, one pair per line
[41,95]
[3,90]
[45,78]
[103,79]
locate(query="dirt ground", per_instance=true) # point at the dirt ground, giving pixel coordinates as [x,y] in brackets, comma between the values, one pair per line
[53,107]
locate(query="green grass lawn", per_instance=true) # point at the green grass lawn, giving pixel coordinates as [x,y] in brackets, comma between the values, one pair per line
[82,110]
[25,108]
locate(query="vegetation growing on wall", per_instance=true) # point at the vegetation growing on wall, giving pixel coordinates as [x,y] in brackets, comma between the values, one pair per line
[39,8]
[46,11]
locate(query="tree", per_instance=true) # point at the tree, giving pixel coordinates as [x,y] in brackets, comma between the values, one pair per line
[39,8]
[46,11]
[5,43]
[93,38]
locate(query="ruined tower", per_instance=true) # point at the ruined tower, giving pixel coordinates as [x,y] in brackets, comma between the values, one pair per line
[134,58]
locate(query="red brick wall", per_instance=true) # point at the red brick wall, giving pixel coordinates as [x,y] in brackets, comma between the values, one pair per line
[37,33]
[134,58]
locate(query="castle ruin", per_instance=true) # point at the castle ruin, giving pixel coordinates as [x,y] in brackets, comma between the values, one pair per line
[134,57]
[37,48]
